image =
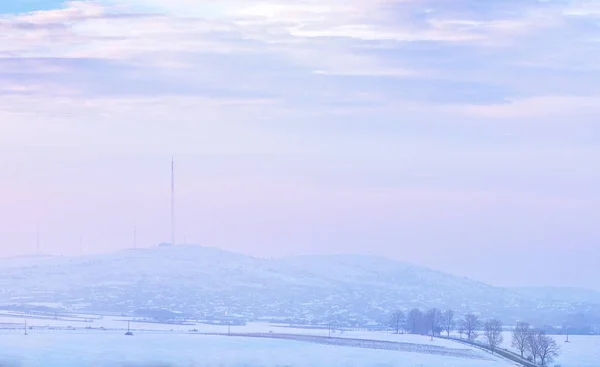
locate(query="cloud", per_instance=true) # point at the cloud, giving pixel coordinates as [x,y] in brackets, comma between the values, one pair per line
[306,67]
[536,108]
[412,42]
[348,66]
[363,114]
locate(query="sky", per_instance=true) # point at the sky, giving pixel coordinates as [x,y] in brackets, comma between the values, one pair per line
[458,135]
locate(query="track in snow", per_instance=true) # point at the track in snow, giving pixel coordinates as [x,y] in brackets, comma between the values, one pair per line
[365,343]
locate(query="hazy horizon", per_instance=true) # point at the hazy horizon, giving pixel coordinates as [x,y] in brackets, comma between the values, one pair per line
[451,136]
[137,247]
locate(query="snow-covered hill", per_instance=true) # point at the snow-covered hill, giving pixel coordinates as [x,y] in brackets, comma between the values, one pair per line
[198,280]
[560,294]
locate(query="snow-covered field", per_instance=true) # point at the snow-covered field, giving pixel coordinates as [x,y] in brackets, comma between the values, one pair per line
[173,345]
[177,345]
[581,351]
[108,350]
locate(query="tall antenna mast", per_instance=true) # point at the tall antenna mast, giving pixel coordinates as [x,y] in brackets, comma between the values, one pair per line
[172,202]
[37,239]
[134,237]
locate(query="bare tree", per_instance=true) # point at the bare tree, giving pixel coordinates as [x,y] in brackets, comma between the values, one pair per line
[434,317]
[520,337]
[533,343]
[397,321]
[469,324]
[547,348]
[448,321]
[461,329]
[492,332]
[414,321]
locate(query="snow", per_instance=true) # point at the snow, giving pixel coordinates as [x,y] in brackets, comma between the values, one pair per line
[582,351]
[198,279]
[107,350]
[173,345]
[560,294]
[202,281]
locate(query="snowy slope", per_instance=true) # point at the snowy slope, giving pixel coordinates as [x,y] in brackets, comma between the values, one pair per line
[560,294]
[199,280]
[410,285]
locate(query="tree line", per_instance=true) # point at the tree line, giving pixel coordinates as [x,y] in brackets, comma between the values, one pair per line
[532,344]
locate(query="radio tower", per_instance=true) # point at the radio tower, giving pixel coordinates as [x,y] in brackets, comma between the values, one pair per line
[172,202]
[37,240]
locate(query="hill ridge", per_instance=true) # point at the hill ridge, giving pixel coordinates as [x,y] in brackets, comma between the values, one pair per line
[200,280]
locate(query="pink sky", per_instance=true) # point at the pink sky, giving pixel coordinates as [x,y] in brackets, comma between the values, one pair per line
[450,136]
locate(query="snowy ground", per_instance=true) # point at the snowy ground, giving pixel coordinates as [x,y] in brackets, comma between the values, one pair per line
[162,345]
[179,350]
[175,340]
[581,351]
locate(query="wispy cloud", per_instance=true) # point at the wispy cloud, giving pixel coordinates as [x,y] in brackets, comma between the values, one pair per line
[499,61]
[382,65]
[484,50]
[454,97]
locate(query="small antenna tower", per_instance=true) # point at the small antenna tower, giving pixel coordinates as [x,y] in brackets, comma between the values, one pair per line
[37,239]
[172,201]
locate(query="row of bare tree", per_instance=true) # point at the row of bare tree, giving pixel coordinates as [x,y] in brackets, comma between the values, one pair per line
[415,321]
[525,339]
[432,322]
[540,346]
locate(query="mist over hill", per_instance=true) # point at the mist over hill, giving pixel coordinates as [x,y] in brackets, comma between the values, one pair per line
[200,281]
[560,294]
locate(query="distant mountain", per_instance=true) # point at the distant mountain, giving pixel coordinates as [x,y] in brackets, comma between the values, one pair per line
[560,294]
[206,281]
